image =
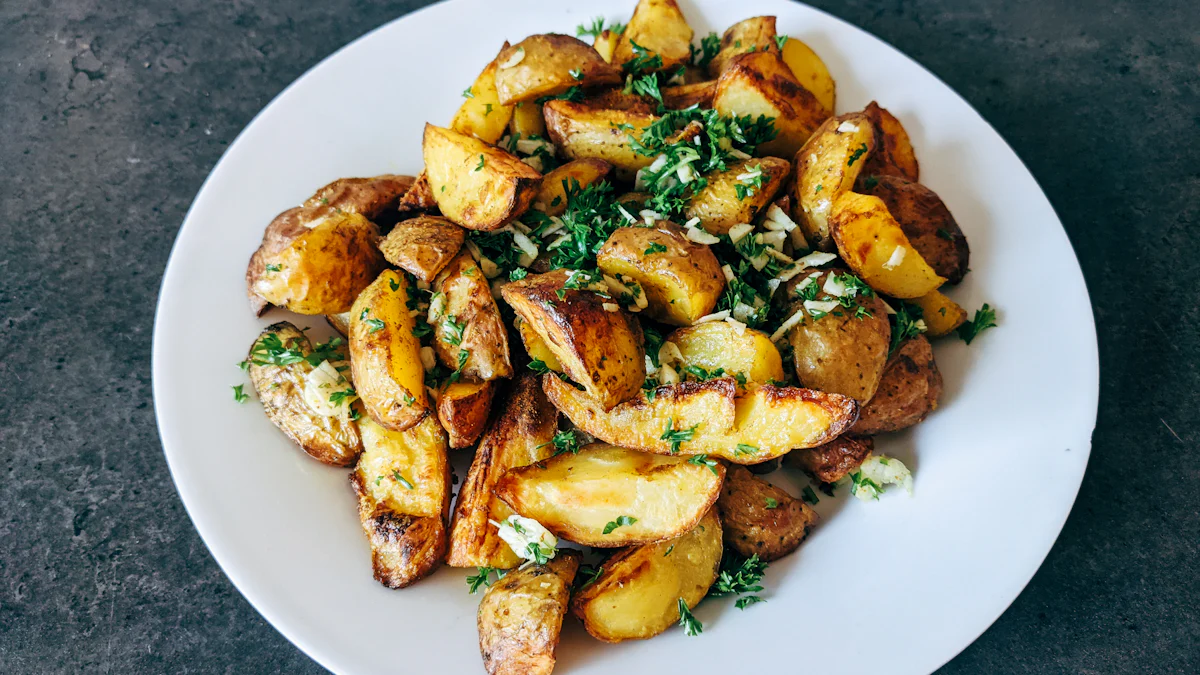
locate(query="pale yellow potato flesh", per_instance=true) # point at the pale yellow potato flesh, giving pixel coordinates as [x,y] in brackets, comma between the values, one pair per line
[942,315]
[721,345]
[482,115]
[811,71]
[760,83]
[827,166]
[406,471]
[874,246]
[462,409]
[717,204]
[581,131]
[659,27]
[576,174]
[476,185]
[385,356]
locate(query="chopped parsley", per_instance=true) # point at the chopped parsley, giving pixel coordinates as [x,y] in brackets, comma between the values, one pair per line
[746,601]
[857,481]
[771,503]
[743,449]
[739,576]
[239,395]
[621,521]
[273,268]
[751,184]
[479,167]
[588,575]
[573,94]
[710,46]
[597,28]
[564,441]
[691,625]
[669,550]
[677,436]
[538,553]
[985,318]
[402,480]
[539,366]
[244,365]
[870,182]
[576,73]
[643,61]
[483,579]
[487,109]
[858,152]
[907,323]
[809,495]
[943,233]
[339,397]
[655,247]
[374,325]
[467,93]
[452,330]
[780,41]
[703,460]
[394,284]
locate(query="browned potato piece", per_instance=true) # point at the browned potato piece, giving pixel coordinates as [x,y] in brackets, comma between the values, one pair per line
[687,95]
[682,280]
[469,321]
[476,185]
[419,197]
[760,83]
[605,44]
[586,497]
[909,390]
[519,434]
[599,349]
[313,260]
[826,167]
[527,120]
[759,518]
[926,222]
[369,197]
[835,460]
[720,345]
[542,65]
[422,246]
[404,549]
[659,27]
[406,471]
[748,35]
[942,315]
[332,439]
[482,115]
[810,70]
[521,615]
[717,204]
[552,198]
[536,347]
[463,410]
[581,131]
[894,155]
[339,322]
[385,356]
[638,592]
[874,246]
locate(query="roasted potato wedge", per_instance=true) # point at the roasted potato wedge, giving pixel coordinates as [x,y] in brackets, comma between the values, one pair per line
[406,471]
[332,439]
[909,390]
[638,592]
[694,418]
[582,131]
[542,65]
[404,549]
[682,280]
[422,246]
[339,322]
[760,519]
[748,35]
[657,27]
[599,349]
[686,95]
[605,44]
[313,260]
[385,356]
[482,115]
[552,197]
[370,197]
[520,434]
[826,167]
[737,350]
[527,120]
[834,460]
[466,319]
[811,71]
[717,204]
[760,83]
[875,247]
[521,615]
[586,496]
[476,185]
[419,197]
[463,409]
[536,347]
[942,315]
[926,222]
[894,155]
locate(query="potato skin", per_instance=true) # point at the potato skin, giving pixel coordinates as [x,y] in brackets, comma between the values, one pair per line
[404,549]
[582,131]
[682,283]
[552,198]
[834,460]
[386,359]
[469,301]
[370,197]
[660,27]
[926,222]
[686,95]
[717,205]
[331,440]
[718,344]
[418,455]
[476,185]
[521,615]
[826,167]
[422,246]
[545,70]
[893,155]
[760,83]
[481,114]
[756,33]
[909,390]
[751,526]
[868,238]
[419,197]
[463,408]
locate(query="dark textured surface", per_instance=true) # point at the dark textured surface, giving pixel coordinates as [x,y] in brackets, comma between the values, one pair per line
[112,114]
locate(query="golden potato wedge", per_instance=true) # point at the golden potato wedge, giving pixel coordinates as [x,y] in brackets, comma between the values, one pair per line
[687,95]
[834,460]
[406,471]
[682,280]
[909,390]
[811,72]
[536,347]
[520,434]
[404,548]
[717,205]
[313,260]
[339,322]
[385,356]
[894,154]
[369,197]
[926,222]
[657,27]
[599,349]
[826,167]
[581,131]
[606,496]
[639,589]
[694,418]
[468,321]
[552,197]
[717,345]
[760,519]
[422,246]
[332,439]
[476,185]
[482,115]
[760,83]
[605,44]
[874,246]
[463,409]
[942,315]
[748,35]
[547,65]
[521,615]
[419,197]
[527,120]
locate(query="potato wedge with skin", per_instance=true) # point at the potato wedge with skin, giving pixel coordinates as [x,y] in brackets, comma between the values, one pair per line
[767,421]
[521,615]
[422,246]
[811,71]
[686,95]
[605,44]
[482,115]
[339,322]
[406,471]
[552,197]
[599,349]
[469,321]
[519,434]
[760,83]
[581,131]
[834,460]
[385,356]
[637,594]
[717,345]
[476,185]
[760,519]
[942,315]
[527,120]
[894,154]
[404,549]
[313,260]
[419,197]
[748,35]
[329,439]
[536,347]
[874,246]
[682,280]
[582,496]
[542,65]
[926,222]
[909,390]
[659,27]
[826,167]
[370,197]
[717,204]
[463,408]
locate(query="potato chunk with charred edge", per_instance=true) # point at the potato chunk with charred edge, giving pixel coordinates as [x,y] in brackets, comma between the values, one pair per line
[826,167]
[521,615]
[476,185]
[406,471]
[894,154]
[385,356]
[463,409]
[659,28]
[875,247]
[760,83]
[422,246]
[584,130]
[748,35]
[469,335]
[552,198]
[719,345]
[732,197]
[547,65]
[926,222]
[404,549]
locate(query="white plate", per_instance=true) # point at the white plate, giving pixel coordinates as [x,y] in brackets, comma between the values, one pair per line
[898,586]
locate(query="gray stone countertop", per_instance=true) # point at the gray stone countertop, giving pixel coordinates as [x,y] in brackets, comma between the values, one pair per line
[112,114]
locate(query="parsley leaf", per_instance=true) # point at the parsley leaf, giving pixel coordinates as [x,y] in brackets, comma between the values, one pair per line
[479,167]
[655,247]
[621,521]
[588,575]
[985,318]
[402,480]
[467,93]
[238,395]
[643,61]
[593,30]
[691,625]
[483,578]
[374,325]
[677,437]
[780,41]
[771,503]
[809,495]
[703,460]
[738,575]
[564,441]
[907,323]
